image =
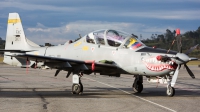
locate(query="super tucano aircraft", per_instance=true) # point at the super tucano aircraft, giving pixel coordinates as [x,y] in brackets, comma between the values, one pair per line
[107,52]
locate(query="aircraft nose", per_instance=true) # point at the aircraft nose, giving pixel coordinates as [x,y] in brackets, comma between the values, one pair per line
[181,58]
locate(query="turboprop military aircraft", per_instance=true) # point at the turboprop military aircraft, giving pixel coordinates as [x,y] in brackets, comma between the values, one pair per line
[107,52]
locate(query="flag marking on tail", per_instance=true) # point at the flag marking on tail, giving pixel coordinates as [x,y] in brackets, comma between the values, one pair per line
[14,21]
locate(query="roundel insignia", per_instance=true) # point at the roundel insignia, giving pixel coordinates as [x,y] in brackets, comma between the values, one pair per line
[113,52]
[92,49]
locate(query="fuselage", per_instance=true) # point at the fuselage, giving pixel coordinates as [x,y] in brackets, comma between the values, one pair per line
[126,51]
[131,61]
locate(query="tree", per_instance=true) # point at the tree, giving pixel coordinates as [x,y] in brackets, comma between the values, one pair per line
[169,35]
[161,38]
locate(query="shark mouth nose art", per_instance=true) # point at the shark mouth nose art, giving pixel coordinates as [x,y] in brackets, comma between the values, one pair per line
[156,65]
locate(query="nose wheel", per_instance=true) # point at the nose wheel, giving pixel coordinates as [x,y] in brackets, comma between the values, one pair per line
[170,91]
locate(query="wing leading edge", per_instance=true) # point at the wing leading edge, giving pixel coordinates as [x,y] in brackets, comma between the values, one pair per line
[48,59]
[15,51]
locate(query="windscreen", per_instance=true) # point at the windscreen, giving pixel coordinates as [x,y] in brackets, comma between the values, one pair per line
[133,43]
[115,38]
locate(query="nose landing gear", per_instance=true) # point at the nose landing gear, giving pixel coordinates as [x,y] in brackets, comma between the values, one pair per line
[170,91]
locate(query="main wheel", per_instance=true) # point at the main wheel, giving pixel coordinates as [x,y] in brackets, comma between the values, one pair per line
[76,88]
[137,87]
[170,91]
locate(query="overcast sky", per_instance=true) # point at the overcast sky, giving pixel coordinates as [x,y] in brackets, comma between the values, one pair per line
[56,21]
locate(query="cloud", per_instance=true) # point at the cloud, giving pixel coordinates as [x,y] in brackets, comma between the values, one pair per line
[58,21]
[106,10]
[170,1]
[59,35]
[152,11]
[166,14]
[88,26]
[26,6]
[42,34]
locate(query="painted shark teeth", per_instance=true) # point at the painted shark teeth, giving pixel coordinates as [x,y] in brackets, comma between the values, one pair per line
[158,67]
[154,65]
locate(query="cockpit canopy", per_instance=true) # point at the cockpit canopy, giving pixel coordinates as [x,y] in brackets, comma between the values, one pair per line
[113,38]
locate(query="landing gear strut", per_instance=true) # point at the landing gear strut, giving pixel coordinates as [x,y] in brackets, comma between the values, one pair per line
[137,85]
[77,87]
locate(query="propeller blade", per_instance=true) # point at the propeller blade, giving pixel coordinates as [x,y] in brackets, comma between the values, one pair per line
[191,49]
[192,58]
[179,45]
[174,78]
[189,71]
[171,45]
[177,38]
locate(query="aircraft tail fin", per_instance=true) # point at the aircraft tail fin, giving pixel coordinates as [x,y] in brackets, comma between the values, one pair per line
[16,40]
[15,37]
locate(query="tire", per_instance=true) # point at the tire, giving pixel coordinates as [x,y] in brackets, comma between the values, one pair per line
[170,91]
[76,88]
[137,87]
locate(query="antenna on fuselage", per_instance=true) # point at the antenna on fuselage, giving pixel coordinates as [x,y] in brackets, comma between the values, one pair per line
[134,35]
[80,35]
[78,38]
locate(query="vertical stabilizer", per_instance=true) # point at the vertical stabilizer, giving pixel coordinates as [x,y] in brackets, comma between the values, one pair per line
[15,37]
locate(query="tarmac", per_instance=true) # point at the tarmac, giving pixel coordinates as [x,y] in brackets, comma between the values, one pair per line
[36,90]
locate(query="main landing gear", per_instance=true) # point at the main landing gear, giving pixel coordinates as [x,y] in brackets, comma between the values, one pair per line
[137,85]
[77,87]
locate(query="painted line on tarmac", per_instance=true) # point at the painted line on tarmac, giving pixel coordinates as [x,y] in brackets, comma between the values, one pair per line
[132,94]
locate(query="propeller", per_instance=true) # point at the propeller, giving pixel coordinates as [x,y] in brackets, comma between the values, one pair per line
[181,58]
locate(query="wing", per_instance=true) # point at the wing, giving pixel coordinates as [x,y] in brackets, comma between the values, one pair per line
[63,63]
[15,51]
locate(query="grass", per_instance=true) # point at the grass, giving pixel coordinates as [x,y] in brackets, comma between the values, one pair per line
[1,59]
[194,63]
